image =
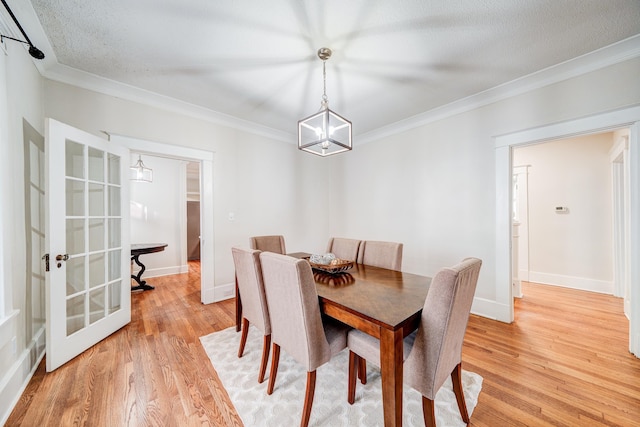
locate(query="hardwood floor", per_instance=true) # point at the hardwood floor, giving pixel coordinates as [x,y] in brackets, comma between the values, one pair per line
[564,362]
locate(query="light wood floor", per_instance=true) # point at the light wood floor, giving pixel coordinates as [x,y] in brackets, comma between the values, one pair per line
[564,362]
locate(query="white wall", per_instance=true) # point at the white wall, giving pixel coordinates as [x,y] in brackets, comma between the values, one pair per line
[158,215]
[21,348]
[433,187]
[265,183]
[572,248]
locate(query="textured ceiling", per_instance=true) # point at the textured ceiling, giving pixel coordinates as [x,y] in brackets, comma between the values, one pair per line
[256,59]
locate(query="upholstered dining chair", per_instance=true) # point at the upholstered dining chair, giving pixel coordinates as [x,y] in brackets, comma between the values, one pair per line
[254,302]
[268,244]
[434,351]
[344,248]
[296,323]
[381,254]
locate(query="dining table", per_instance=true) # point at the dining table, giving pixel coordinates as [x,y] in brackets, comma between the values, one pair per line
[383,303]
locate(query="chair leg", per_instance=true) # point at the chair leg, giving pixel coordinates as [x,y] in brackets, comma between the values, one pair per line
[243,337]
[429,412]
[266,346]
[362,370]
[354,361]
[275,359]
[456,379]
[308,398]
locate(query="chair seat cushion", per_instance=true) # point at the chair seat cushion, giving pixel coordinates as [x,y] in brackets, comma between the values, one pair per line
[368,347]
[336,334]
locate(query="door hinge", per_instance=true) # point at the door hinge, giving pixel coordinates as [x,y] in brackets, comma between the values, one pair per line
[45,257]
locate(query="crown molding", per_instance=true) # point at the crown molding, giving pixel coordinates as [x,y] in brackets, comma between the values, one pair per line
[601,58]
[606,56]
[64,74]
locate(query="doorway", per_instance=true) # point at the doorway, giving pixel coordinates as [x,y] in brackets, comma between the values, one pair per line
[564,211]
[193,211]
[205,161]
[609,121]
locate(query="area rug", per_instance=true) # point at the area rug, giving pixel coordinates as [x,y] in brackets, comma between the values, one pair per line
[330,407]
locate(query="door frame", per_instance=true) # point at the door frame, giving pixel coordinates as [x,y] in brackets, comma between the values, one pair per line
[620,187]
[607,121]
[205,158]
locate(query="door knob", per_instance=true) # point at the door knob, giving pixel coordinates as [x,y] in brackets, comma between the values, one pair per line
[60,258]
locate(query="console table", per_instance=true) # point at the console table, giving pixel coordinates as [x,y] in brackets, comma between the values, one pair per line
[138,249]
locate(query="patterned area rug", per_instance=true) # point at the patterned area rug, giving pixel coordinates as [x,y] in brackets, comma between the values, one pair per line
[330,407]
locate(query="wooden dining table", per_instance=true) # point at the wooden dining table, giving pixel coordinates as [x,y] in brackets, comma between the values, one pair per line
[383,303]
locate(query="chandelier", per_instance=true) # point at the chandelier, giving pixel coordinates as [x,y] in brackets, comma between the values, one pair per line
[139,172]
[325,132]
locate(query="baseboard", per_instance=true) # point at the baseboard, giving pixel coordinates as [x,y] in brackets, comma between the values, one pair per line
[218,293]
[579,283]
[523,275]
[164,271]
[7,328]
[225,292]
[16,379]
[491,310]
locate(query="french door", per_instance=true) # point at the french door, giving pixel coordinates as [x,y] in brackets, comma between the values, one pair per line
[87,222]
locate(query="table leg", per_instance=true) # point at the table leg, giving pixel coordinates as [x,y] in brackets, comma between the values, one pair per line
[391,358]
[238,309]
[142,284]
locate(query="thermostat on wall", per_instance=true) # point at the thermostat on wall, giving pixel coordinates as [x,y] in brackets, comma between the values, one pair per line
[562,209]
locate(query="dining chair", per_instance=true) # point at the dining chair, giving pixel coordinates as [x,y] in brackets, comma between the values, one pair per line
[378,254]
[268,244]
[254,302]
[296,323]
[434,351]
[344,248]
[381,254]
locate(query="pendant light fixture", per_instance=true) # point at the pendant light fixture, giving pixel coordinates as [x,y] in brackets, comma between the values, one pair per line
[141,173]
[325,132]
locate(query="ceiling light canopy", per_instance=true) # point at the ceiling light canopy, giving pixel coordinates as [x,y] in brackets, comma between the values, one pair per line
[325,132]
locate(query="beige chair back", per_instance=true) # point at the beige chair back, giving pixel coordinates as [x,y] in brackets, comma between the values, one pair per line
[344,248]
[437,349]
[251,288]
[296,323]
[381,254]
[268,244]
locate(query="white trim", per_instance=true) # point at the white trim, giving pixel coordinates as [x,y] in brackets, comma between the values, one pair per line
[7,327]
[600,58]
[207,284]
[223,292]
[624,117]
[50,68]
[163,271]
[82,79]
[581,283]
[490,309]
[182,220]
[634,237]
[18,375]
[618,157]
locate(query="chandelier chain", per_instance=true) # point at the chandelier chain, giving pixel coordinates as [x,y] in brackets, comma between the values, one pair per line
[325,99]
